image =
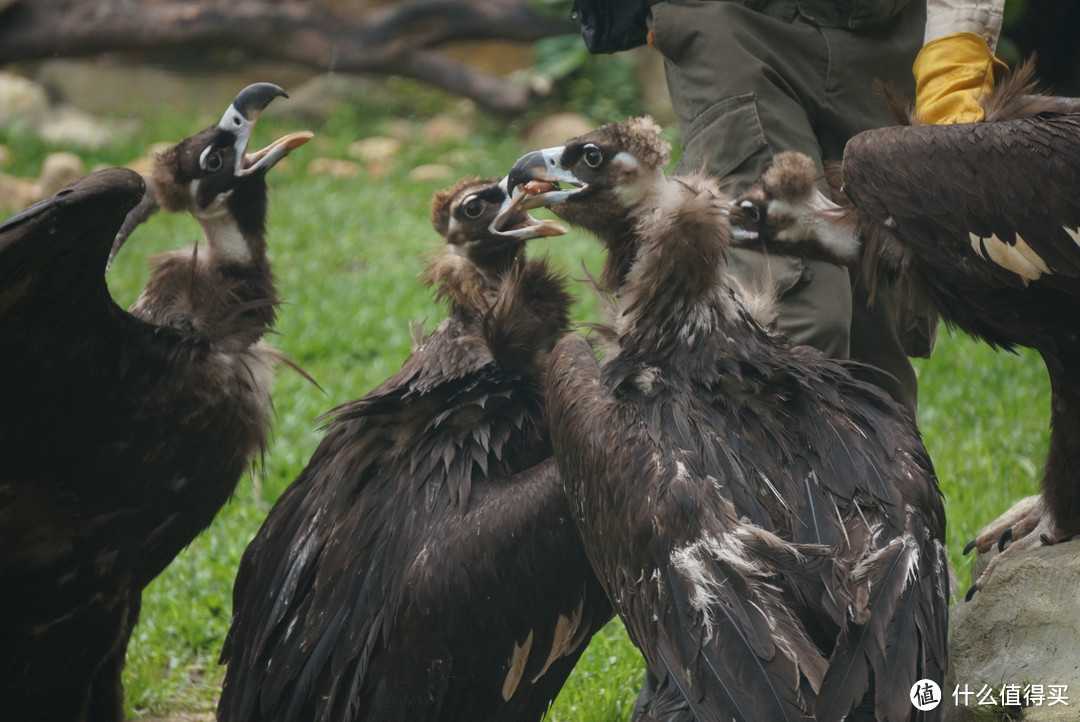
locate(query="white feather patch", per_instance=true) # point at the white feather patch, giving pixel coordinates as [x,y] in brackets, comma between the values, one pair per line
[224,238]
[692,562]
[518,658]
[1074,233]
[562,642]
[1020,258]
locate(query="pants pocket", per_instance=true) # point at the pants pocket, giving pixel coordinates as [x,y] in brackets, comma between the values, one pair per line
[727,140]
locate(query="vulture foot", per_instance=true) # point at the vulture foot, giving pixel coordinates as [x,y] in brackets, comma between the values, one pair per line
[1027,525]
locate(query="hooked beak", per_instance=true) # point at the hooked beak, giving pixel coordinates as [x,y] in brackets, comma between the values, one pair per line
[543,165]
[265,158]
[514,223]
[240,119]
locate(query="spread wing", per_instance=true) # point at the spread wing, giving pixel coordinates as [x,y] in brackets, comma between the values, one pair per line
[53,296]
[64,343]
[388,560]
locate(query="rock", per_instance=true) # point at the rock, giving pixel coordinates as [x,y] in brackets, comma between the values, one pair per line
[374,149]
[145,163]
[65,125]
[557,129]
[21,100]
[58,170]
[377,154]
[431,172]
[401,129]
[24,103]
[445,129]
[15,194]
[1022,629]
[334,167]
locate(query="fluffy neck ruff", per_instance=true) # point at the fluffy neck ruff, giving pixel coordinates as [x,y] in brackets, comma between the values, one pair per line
[522,310]
[679,239]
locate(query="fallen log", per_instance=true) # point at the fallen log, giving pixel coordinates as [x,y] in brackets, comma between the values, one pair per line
[402,39]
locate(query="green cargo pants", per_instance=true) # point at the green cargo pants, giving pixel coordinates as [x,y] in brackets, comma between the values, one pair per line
[745,85]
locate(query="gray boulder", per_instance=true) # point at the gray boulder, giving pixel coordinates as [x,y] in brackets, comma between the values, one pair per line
[1021,631]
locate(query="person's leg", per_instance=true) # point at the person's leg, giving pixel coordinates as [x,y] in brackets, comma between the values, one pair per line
[740,83]
[853,103]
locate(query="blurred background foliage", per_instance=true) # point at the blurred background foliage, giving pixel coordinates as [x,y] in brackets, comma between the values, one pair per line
[348,250]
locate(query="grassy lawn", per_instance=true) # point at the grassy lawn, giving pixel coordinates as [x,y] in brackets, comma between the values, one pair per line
[347,253]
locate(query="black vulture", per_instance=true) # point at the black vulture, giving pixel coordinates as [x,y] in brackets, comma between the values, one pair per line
[984,219]
[784,212]
[424,566]
[123,433]
[768,527]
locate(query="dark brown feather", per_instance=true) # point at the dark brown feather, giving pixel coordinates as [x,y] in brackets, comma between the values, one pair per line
[982,217]
[738,499]
[121,434]
[424,566]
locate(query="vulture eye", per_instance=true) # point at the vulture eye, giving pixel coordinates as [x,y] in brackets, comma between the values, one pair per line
[210,160]
[473,207]
[592,156]
[751,211]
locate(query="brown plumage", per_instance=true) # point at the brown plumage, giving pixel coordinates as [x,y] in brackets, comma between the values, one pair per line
[424,566]
[123,433]
[783,211]
[768,527]
[983,218]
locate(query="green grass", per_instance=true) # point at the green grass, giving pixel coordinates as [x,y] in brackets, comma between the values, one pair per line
[347,254]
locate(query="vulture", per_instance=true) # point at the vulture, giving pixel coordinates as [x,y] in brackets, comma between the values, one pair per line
[984,219]
[123,432]
[424,565]
[768,527]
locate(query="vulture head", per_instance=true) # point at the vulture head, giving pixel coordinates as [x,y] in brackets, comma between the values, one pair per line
[213,176]
[482,222]
[483,266]
[785,212]
[608,173]
[612,183]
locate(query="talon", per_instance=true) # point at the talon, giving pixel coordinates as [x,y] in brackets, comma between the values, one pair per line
[1006,536]
[970,546]
[1047,541]
[971,592]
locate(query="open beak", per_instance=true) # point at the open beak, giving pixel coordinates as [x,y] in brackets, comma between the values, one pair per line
[265,158]
[240,119]
[514,223]
[543,165]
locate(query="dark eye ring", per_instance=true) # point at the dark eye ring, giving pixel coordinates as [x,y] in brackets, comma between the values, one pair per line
[751,212]
[592,156]
[210,160]
[473,207]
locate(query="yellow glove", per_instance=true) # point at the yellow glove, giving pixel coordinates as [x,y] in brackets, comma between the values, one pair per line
[952,74]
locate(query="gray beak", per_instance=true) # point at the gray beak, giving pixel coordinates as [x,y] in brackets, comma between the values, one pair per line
[514,223]
[240,119]
[544,165]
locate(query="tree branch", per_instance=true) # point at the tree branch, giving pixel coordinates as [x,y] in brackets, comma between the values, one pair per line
[398,39]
